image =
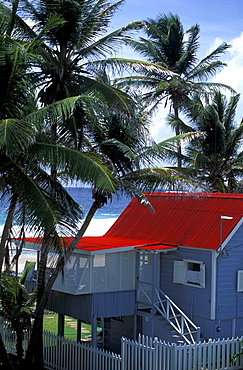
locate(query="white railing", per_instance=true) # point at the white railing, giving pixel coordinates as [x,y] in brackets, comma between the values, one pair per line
[151,354]
[151,295]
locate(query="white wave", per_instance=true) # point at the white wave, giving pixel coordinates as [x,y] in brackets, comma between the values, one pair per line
[97,227]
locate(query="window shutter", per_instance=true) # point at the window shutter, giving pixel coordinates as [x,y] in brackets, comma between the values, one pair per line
[240,281]
[179,272]
[202,268]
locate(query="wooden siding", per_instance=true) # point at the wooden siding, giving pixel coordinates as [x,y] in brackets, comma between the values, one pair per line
[112,304]
[84,306]
[195,302]
[76,306]
[229,301]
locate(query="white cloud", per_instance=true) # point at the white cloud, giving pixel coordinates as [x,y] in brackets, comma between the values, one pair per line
[159,128]
[232,74]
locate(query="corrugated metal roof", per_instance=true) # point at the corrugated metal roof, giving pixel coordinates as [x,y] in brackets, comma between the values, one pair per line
[180,219]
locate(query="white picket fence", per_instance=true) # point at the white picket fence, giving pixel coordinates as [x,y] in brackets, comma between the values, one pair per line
[144,354]
[147,353]
[64,354]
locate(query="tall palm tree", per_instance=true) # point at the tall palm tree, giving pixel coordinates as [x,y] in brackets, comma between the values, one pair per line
[58,56]
[167,45]
[70,49]
[215,157]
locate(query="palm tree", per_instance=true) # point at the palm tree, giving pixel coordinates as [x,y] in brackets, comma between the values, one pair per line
[16,306]
[167,45]
[43,201]
[215,157]
[77,164]
[70,49]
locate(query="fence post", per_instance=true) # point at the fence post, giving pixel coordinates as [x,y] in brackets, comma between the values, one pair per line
[155,353]
[123,360]
[173,356]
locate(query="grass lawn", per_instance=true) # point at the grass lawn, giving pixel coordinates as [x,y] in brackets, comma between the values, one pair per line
[70,326]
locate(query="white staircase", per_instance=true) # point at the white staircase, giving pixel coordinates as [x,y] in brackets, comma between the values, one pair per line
[152,297]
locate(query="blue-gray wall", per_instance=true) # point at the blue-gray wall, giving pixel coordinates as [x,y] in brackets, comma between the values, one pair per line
[229,301]
[195,302]
[84,306]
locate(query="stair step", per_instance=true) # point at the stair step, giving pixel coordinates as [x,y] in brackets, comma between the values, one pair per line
[175,319]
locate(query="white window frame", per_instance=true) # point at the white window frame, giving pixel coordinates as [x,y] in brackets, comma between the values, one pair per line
[240,281]
[182,274]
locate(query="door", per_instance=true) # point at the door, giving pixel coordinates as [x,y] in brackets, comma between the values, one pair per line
[148,275]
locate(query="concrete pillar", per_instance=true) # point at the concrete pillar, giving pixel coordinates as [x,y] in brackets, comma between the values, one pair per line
[79,330]
[60,325]
[94,330]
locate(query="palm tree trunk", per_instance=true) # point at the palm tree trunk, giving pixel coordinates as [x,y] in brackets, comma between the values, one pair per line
[4,356]
[6,229]
[34,358]
[177,130]
[19,345]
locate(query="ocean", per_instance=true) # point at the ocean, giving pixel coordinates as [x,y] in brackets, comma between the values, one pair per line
[103,220]
[83,196]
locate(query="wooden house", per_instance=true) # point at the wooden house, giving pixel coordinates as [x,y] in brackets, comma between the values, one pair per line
[175,273]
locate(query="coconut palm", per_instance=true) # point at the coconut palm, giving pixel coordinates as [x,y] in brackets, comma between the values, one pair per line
[31,190]
[68,51]
[73,131]
[215,157]
[167,45]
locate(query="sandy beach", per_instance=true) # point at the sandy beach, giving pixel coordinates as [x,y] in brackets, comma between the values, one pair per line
[97,227]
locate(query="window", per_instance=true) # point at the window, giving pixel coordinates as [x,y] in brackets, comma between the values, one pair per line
[240,281]
[189,273]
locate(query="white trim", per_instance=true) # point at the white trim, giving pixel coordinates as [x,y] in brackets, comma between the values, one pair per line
[202,273]
[213,285]
[102,251]
[122,249]
[140,249]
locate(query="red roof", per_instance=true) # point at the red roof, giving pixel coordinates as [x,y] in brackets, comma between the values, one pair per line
[180,219]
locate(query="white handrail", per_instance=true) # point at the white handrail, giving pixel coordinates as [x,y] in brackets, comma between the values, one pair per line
[171,312]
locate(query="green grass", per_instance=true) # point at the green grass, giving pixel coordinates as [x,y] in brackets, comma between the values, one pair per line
[50,324]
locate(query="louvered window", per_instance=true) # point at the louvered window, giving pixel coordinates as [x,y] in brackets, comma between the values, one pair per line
[189,273]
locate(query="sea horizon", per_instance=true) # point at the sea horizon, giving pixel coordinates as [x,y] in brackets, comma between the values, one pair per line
[83,196]
[100,224]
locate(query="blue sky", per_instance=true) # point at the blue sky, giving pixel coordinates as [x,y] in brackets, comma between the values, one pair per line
[218,20]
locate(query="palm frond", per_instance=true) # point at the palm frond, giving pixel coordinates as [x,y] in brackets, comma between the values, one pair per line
[159,178]
[86,167]
[109,43]
[136,65]
[15,135]
[62,109]
[112,95]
